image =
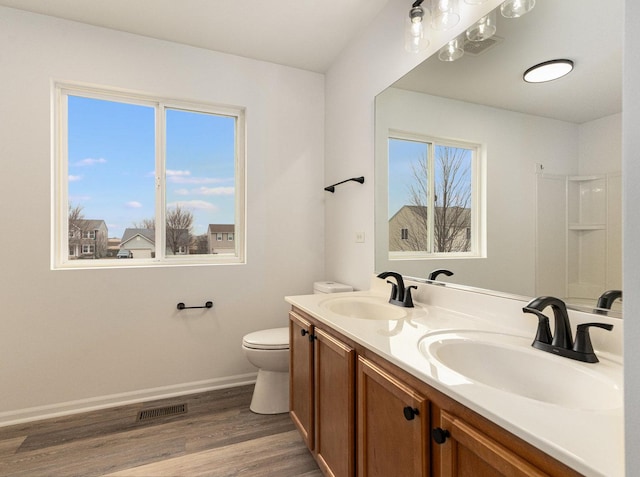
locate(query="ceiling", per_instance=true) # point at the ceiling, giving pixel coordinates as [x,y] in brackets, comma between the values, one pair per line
[589,32]
[307,34]
[310,34]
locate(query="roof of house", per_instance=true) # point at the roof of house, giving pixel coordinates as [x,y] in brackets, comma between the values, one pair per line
[421,210]
[221,228]
[89,224]
[148,234]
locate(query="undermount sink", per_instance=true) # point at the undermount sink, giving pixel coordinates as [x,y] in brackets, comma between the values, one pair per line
[364,307]
[509,363]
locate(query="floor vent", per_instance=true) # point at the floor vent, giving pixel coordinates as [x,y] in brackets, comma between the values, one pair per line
[157,412]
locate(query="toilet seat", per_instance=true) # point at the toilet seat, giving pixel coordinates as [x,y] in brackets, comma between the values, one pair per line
[272,339]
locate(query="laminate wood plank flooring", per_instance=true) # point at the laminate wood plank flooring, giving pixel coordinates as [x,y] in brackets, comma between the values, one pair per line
[218,436]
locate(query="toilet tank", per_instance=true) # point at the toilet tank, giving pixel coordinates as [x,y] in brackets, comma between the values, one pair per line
[331,287]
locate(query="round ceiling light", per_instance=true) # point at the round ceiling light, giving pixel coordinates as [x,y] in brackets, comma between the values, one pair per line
[548,71]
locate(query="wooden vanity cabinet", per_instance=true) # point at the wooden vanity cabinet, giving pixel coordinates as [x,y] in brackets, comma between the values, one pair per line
[348,401]
[322,395]
[301,386]
[393,425]
[468,451]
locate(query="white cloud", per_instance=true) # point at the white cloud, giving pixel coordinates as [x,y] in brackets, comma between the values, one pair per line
[214,191]
[172,173]
[73,178]
[90,161]
[195,205]
[181,191]
[134,204]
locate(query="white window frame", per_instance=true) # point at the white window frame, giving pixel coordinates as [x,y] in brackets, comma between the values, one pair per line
[60,168]
[478,202]
[90,248]
[89,234]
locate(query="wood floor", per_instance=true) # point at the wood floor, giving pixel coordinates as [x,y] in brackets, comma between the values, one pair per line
[217,436]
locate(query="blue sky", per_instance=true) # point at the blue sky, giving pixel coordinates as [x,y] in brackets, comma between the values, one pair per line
[112,161]
[401,155]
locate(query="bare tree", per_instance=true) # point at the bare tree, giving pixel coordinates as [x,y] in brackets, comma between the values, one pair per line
[75,219]
[179,228]
[145,224]
[453,199]
[451,214]
[76,216]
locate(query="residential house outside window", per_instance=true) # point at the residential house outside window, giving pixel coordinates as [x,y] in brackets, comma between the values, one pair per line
[434,198]
[158,171]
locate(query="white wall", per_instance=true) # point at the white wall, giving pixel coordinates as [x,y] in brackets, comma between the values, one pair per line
[372,64]
[631,232]
[601,145]
[90,337]
[513,143]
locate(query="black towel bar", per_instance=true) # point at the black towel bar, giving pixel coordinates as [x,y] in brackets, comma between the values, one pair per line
[181,306]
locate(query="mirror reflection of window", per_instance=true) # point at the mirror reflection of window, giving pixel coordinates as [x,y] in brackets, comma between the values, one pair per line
[431,198]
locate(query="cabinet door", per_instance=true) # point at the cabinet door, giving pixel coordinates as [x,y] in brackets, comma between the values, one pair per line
[301,403]
[335,403]
[393,425]
[467,452]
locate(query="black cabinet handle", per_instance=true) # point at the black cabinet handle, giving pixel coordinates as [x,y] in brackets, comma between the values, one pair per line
[440,435]
[304,332]
[410,413]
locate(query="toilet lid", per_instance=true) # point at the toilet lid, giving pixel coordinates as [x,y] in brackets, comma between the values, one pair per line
[275,338]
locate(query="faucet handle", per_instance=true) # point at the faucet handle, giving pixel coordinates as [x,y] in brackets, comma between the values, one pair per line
[543,335]
[394,291]
[408,300]
[583,339]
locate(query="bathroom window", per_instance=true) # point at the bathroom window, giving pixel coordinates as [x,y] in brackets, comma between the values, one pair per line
[147,174]
[434,190]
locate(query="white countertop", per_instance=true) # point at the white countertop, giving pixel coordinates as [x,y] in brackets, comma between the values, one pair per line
[589,441]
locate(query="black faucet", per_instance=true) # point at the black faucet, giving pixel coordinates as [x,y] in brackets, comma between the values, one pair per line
[400,295]
[607,298]
[440,271]
[561,342]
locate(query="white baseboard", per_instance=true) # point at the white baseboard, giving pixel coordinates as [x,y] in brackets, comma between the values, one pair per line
[102,402]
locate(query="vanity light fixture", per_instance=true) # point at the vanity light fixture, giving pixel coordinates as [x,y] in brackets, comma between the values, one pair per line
[483,29]
[415,39]
[548,71]
[452,50]
[516,8]
[445,14]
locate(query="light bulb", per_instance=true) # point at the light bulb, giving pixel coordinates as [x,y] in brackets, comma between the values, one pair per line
[445,14]
[516,8]
[483,29]
[451,51]
[415,39]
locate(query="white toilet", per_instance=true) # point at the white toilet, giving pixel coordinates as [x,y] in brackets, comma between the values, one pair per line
[268,350]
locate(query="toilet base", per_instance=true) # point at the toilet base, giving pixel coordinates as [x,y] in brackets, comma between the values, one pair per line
[271,393]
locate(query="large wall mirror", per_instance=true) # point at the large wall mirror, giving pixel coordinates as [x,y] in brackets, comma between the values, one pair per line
[545,206]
